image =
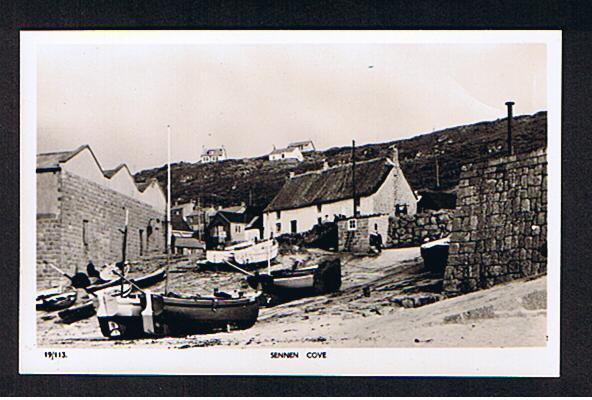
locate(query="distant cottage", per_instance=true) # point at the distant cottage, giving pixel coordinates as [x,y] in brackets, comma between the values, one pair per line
[318,196]
[213,155]
[289,153]
[235,224]
[81,209]
[304,146]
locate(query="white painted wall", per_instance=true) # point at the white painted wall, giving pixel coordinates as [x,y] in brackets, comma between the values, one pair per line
[287,154]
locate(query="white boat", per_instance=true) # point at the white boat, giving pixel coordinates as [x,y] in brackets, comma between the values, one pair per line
[245,253]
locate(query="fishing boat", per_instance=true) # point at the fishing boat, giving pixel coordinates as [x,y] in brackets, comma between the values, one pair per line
[286,283]
[55,299]
[435,254]
[88,308]
[149,314]
[246,253]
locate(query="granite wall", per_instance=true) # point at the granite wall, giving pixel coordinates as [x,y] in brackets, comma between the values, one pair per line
[416,229]
[499,229]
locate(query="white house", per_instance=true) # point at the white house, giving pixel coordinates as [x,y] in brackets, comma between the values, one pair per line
[304,146]
[213,155]
[289,153]
[319,196]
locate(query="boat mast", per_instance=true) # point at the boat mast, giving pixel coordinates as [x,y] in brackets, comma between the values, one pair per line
[353,155]
[124,247]
[168,210]
[269,249]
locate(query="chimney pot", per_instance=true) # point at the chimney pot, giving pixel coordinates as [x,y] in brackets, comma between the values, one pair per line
[394,154]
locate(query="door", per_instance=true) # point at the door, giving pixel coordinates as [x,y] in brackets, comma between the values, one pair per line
[293,226]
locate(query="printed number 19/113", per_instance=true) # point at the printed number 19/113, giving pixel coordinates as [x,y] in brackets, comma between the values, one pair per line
[52,355]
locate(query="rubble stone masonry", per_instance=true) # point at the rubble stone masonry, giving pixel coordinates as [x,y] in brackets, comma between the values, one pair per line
[499,229]
[412,230]
[88,223]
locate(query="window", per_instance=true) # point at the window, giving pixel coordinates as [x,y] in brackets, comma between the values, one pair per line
[319,220]
[278,227]
[277,214]
[141,231]
[293,226]
[85,232]
[319,207]
[237,228]
[352,225]
[401,209]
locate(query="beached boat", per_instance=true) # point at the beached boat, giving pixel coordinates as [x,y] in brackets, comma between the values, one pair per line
[435,255]
[247,253]
[88,309]
[294,283]
[149,314]
[55,299]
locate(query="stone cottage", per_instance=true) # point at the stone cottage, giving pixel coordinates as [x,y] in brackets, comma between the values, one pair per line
[81,209]
[320,196]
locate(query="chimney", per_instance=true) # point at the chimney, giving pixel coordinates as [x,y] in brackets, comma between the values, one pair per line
[394,154]
[325,165]
[510,104]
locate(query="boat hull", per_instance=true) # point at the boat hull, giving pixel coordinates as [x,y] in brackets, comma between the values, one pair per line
[251,255]
[56,302]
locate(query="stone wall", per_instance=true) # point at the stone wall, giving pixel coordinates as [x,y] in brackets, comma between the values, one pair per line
[499,229]
[88,225]
[413,230]
[357,241]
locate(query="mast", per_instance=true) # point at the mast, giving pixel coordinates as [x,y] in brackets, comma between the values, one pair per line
[354,177]
[269,249]
[168,210]
[124,247]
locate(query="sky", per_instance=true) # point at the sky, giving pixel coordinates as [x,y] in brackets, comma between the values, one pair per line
[250,97]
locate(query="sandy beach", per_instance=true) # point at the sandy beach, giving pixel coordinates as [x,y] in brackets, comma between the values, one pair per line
[386,314]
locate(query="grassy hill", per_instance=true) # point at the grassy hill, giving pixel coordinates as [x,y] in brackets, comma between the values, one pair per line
[257,180]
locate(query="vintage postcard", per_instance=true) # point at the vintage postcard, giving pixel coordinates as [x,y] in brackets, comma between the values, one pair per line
[290,202]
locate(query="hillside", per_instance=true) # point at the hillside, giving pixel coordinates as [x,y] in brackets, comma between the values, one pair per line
[257,180]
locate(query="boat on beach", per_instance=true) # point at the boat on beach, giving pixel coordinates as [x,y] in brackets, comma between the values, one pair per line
[149,314]
[55,299]
[286,283]
[245,254]
[88,308]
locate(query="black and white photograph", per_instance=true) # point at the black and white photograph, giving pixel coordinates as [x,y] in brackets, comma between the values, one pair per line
[290,202]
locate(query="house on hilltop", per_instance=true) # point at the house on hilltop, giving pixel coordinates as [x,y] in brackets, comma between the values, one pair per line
[319,196]
[288,153]
[81,209]
[304,146]
[213,155]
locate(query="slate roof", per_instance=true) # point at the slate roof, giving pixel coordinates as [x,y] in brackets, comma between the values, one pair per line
[53,160]
[189,243]
[179,224]
[110,172]
[284,150]
[333,184]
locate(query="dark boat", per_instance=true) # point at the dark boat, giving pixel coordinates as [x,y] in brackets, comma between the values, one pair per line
[435,255]
[145,281]
[55,300]
[149,314]
[87,309]
[287,284]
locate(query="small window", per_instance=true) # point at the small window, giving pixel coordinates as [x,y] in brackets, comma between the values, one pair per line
[293,226]
[352,225]
[278,227]
[401,209]
[319,220]
[278,214]
[85,232]
[319,207]
[237,228]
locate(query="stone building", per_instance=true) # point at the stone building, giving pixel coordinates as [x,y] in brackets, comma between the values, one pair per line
[305,146]
[322,196]
[289,153]
[354,234]
[499,229]
[213,155]
[81,209]
[234,224]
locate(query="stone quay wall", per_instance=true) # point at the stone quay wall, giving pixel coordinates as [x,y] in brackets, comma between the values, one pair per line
[416,229]
[499,229]
[88,223]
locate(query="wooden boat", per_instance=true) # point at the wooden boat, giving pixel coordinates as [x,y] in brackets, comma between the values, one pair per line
[246,253]
[55,299]
[149,314]
[88,308]
[145,281]
[435,255]
[284,284]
